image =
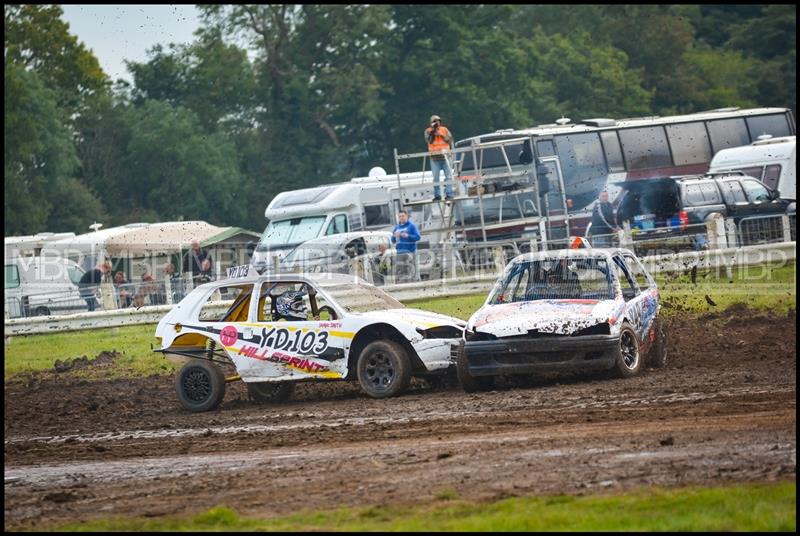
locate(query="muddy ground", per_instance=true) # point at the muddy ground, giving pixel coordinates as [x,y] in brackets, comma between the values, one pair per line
[722,412]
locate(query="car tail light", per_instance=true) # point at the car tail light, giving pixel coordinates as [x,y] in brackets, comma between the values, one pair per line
[684,218]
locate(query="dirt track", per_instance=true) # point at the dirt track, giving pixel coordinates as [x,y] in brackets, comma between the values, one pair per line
[723,411]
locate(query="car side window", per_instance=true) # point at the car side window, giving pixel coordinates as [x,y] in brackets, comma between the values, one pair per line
[337,225]
[637,271]
[239,298]
[756,192]
[629,288]
[732,191]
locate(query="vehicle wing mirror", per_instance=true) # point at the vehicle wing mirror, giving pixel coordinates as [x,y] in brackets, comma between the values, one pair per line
[774,194]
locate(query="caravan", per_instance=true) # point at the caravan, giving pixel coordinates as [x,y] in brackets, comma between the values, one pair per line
[363,203]
[771,160]
[43,285]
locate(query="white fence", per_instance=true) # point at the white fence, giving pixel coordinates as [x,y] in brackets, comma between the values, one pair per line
[721,259]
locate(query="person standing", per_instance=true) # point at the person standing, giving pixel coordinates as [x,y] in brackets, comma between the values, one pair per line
[89,283]
[124,295]
[604,221]
[405,236]
[193,261]
[440,142]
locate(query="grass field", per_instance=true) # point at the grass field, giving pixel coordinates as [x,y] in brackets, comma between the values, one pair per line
[749,507]
[761,287]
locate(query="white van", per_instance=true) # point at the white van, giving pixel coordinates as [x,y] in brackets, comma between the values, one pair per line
[771,160]
[36,286]
[363,203]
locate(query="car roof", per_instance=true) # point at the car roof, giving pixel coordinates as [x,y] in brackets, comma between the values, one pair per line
[319,279]
[583,253]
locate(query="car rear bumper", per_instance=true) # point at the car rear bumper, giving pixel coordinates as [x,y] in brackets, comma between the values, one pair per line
[529,355]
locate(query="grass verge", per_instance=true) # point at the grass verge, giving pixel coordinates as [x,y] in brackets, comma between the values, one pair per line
[745,507]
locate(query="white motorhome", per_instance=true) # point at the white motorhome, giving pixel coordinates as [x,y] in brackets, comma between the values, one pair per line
[363,203]
[43,285]
[771,160]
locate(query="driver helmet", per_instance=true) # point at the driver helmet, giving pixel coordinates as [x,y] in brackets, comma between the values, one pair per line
[290,305]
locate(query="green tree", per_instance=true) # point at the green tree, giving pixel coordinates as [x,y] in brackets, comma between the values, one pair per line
[39,154]
[37,38]
[177,171]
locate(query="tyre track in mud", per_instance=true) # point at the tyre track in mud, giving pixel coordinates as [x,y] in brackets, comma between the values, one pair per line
[722,411]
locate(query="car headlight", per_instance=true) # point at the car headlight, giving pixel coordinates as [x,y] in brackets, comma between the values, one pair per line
[478,336]
[440,332]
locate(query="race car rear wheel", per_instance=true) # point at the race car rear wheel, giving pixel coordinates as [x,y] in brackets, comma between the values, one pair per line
[200,385]
[629,360]
[384,369]
[470,383]
[265,392]
[658,354]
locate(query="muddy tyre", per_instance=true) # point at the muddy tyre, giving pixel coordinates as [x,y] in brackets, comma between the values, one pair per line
[629,359]
[658,354]
[470,383]
[200,385]
[383,369]
[266,392]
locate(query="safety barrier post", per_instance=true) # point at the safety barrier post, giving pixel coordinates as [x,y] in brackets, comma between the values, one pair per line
[715,227]
[730,230]
[787,229]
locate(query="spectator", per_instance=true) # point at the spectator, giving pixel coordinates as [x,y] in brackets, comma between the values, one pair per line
[603,221]
[405,235]
[123,292]
[89,283]
[193,259]
[149,287]
[380,264]
[205,274]
[440,142]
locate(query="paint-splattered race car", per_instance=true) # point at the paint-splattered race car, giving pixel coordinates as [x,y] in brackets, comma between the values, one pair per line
[275,330]
[565,310]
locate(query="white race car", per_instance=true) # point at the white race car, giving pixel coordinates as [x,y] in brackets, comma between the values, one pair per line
[279,329]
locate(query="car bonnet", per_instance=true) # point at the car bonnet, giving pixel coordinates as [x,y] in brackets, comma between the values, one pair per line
[562,317]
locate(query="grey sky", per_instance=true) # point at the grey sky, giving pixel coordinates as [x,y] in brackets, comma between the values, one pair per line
[124,32]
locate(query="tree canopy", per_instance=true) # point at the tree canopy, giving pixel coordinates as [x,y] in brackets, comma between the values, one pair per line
[274,97]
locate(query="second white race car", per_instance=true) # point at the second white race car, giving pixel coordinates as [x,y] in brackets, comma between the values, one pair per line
[280,329]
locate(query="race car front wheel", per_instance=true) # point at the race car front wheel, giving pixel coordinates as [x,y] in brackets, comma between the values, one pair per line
[384,369]
[200,385]
[629,360]
[265,392]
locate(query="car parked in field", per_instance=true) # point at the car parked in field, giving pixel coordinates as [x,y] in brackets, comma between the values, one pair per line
[565,310]
[670,211]
[275,330]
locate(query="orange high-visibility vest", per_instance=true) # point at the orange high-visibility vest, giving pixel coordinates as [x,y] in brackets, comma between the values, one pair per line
[438,144]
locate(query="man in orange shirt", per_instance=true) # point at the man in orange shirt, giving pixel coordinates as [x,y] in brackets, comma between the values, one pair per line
[440,142]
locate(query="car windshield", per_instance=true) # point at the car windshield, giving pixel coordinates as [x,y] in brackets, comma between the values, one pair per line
[362,298]
[554,279]
[292,231]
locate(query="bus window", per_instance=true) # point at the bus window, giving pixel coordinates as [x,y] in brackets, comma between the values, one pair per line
[689,142]
[645,147]
[582,159]
[776,125]
[545,148]
[613,150]
[727,133]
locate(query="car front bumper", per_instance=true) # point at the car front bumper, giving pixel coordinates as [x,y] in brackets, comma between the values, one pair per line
[530,355]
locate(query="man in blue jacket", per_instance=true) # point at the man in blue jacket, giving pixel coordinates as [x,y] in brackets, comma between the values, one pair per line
[405,235]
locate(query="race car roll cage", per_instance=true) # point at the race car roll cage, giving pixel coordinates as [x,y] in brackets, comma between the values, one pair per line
[236,309]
